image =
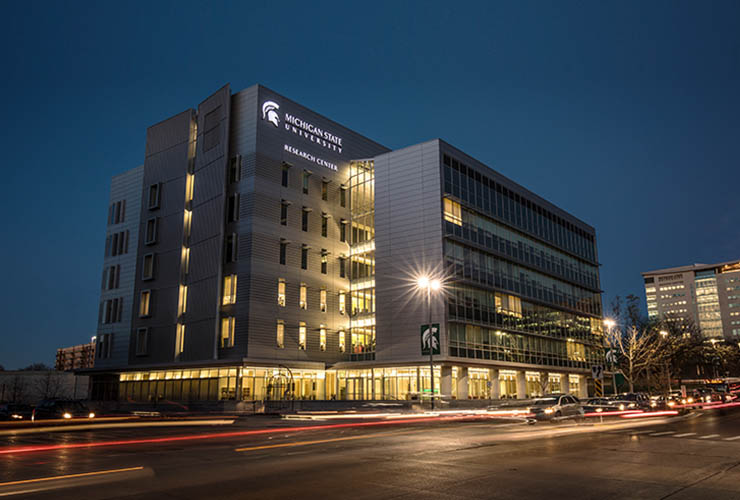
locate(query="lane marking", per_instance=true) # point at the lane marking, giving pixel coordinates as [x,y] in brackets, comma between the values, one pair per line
[640,432]
[685,434]
[320,441]
[664,433]
[708,436]
[732,438]
[70,476]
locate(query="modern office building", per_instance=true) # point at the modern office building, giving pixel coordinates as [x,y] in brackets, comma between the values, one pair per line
[264,251]
[707,295]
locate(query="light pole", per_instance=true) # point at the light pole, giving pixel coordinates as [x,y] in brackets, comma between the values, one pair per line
[430,284]
[664,336]
[610,323]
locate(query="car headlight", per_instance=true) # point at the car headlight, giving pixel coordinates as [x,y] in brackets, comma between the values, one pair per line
[621,407]
[653,404]
[16,416]
[671,403]
[91,415]
[691,400]
[599,410]
[67,415]
[548,411]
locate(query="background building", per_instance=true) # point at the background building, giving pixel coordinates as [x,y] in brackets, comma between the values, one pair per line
[708,295]
[75,357]
[264,251]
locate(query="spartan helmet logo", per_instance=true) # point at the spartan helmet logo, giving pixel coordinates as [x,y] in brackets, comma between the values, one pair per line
[269,112]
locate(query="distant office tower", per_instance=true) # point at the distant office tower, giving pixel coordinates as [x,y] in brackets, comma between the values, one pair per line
[706,294]
[264,251]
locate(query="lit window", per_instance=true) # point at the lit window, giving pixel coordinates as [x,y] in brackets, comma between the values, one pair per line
[281,293]
[189,187]
[342,303]
[302,299]
[280,335]
[302,336]
[182,304]
[229,294]
[323,300]
[144,303]
[186,225]
[227,331]
[452,212]
[324,260]
[179,340]
[342,342]
[185,260]
[322,337]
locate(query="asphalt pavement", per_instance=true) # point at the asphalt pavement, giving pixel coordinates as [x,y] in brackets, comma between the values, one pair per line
[697,456]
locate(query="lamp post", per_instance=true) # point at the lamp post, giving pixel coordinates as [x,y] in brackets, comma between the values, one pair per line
[610,323]
[424,283]
[664,336]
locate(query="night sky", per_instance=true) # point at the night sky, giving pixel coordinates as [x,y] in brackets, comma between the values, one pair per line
[625,114]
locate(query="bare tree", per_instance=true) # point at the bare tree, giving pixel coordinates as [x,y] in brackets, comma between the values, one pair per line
[17,392]
[50,385]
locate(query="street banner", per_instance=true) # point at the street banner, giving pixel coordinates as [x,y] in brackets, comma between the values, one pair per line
[426,338]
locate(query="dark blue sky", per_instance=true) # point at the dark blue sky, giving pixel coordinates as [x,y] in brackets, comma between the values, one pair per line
[626,114]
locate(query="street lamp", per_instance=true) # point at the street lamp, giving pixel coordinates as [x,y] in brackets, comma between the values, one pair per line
[664,335]
[609,324]
[425,283]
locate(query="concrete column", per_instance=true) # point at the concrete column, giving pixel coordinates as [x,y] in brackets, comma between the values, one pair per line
[565,383]
[445,385]
[583,387]
[521,385]
[372,383]
[462,383]
[495,392]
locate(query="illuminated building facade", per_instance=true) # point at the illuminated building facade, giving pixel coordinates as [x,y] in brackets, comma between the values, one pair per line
[275,254]
[706,295]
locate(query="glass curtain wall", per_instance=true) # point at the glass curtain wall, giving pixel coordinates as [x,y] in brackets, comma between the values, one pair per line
[362,260]
[707,304]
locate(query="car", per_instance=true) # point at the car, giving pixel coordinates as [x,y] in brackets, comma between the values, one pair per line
[62,409]
[15,411]
[639,399]
[555,407]
[607,404]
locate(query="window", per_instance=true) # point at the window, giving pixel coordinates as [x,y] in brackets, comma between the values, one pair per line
[151,231]
[189,187]
[147,269]
[304,219]
[302,336]
[227,331]
[103,349]
[281,292]
[232,208]
[182,302]
[235,166]
[154,195]
[284,212]
[343,196]
[322,300]
[324,224]
[343,230]
[342,342]
[304,257]
[324,260]
[111,277]
[187,220]
[325,190]
[322,337]
[306,175]
[342,271]
[142,341]
[285,174]
[230,250]
[303,301]
[452,212]
[185,260]
[280,334]
[342,303]
[283,248]
[179,340]
[229,293]
[145,303]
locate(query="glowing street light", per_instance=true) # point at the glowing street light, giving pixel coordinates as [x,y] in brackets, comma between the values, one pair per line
[610,323]
[424,283]
[663,333]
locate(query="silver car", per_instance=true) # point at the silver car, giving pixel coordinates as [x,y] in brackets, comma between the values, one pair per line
[556,406]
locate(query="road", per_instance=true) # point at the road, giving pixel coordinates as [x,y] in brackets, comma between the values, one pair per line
[694,457]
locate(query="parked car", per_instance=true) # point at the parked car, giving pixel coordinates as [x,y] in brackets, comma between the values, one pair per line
[62,409]
[15,411]
[556,406]
[639,399]
[606,404]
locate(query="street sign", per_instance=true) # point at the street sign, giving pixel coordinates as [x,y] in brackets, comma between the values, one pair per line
[597,372]
[599,388]
[426,339]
